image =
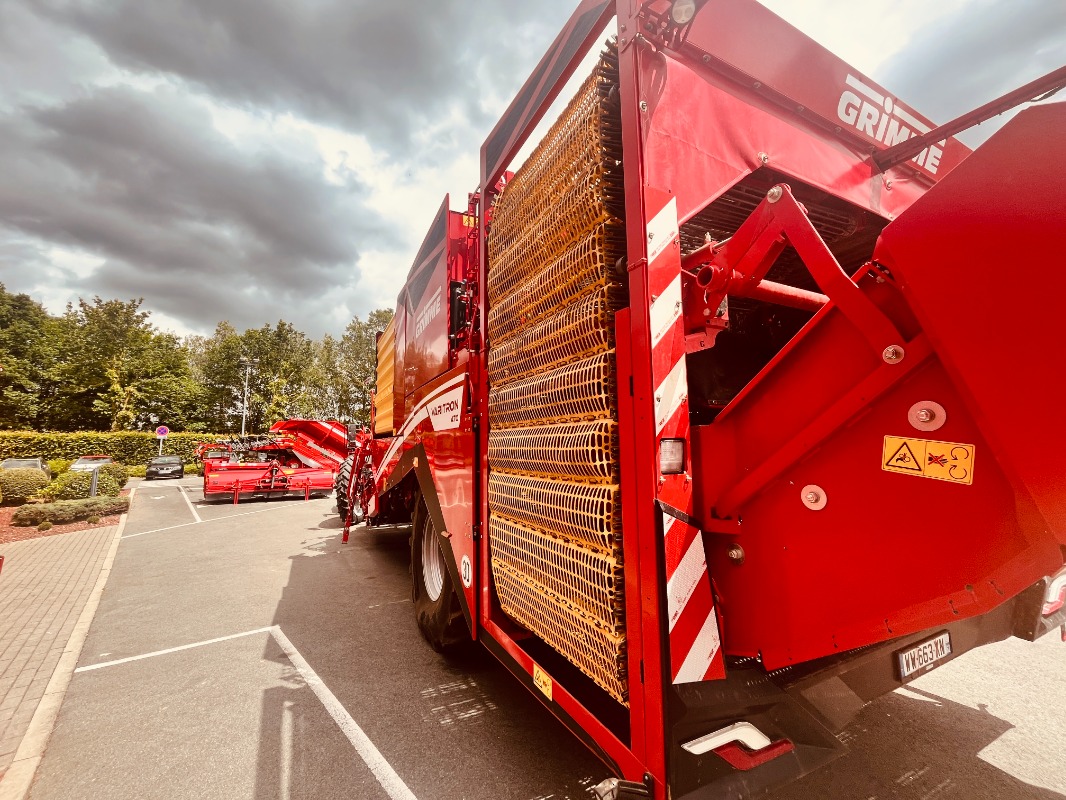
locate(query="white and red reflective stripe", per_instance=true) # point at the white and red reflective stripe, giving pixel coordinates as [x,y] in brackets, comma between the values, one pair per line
[693,626]
[419,414]
[694,639]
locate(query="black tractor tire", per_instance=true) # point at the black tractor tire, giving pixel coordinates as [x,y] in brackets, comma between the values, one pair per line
[437,611]
[340,487]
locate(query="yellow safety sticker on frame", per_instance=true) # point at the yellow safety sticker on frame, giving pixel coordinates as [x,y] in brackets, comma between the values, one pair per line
[924,458]
[542,680]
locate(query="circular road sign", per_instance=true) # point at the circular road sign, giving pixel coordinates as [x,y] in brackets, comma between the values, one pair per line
[162,432]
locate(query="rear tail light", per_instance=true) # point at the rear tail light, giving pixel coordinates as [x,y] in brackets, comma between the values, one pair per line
[1055,597]
[671,456]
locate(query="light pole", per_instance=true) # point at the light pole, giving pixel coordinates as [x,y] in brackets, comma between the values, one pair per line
[247,363]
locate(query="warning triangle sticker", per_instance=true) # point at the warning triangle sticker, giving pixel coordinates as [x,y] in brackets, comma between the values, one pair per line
[903,459]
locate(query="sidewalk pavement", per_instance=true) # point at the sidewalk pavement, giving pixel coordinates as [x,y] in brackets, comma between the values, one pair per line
[45,587]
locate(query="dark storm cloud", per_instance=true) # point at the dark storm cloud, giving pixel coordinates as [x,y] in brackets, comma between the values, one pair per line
[977,54]
[383,69]
[178,213]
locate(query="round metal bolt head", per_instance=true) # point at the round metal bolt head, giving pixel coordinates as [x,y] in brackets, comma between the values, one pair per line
[763,158]
[927,415]
[893,354]
[813,497]
[736,554]
[774,194]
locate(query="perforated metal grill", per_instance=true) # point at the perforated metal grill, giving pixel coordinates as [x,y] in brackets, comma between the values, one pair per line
[580,450]
[582,390]
[575,332]
[588,513]
[588,265]
[570,185]
[586,579]
[592,648]
[553,285]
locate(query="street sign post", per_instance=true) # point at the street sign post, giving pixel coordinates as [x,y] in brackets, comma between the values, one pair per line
[161,433]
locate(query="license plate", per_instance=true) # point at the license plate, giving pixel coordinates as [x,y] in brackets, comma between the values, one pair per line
[924,655]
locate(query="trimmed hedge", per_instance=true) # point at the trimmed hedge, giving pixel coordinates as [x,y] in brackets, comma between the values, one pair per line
[66,511]
[77,485]
[19,485]
[126,447]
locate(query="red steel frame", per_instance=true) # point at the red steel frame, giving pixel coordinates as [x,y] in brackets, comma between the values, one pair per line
[819,124]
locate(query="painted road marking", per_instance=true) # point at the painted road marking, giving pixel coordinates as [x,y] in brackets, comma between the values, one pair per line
[188,502]
[216,519]
[390,781]
[155,653]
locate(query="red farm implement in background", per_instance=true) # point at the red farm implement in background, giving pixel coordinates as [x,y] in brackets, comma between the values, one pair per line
[734,406]
[297,456]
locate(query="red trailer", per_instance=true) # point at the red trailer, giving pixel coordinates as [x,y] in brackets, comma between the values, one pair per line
[732,409]
[297,456]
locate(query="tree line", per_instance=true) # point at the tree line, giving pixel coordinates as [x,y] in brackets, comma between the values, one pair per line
[102,365]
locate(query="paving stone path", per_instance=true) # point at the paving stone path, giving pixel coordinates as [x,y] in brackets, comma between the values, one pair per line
[44,586]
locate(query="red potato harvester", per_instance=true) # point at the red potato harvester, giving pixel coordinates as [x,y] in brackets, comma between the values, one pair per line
[712,420]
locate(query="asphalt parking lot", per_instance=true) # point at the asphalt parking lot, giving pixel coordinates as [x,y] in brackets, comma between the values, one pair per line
[245,652]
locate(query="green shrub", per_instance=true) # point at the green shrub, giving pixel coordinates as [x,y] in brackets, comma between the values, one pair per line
[19,485]
[65,511]
[116,471]
[45,526]
[59,465]
[136,472]
[92,520]
[77,485]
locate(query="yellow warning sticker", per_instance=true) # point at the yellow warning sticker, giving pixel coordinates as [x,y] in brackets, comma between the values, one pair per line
[543,681]
[924,458]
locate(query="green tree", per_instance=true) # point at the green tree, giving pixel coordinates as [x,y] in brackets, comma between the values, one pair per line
[28,355]
[357,369]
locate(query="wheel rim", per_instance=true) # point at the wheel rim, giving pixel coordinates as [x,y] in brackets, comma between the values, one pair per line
[432,564]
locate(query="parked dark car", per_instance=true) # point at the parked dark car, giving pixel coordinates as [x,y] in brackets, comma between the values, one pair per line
[26,463]
[89,463]
[164,467]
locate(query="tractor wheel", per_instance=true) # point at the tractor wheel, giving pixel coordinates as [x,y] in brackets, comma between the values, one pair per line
[340,487]
[437,610]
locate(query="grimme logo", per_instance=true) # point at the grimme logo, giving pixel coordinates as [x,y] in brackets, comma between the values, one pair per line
[428,313]
[883,119]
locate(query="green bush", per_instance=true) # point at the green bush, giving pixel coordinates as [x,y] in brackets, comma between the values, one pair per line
[127,447]
[45,526]
[136,472]
[65,511]
[77,485]
[92,520]
[19,485]
[117,472]
[59,465]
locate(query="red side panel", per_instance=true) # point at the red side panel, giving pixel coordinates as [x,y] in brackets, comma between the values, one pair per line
[1000,340]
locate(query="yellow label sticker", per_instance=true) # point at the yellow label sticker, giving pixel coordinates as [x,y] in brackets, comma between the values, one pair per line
[924,458]
[542,680]
[469,221]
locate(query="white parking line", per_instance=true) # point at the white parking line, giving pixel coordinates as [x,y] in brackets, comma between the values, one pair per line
[206,521]
[188,502]
[102,664]
[386,776]
[391,782]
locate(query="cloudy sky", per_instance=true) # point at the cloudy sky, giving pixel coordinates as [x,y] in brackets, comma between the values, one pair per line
[252,160]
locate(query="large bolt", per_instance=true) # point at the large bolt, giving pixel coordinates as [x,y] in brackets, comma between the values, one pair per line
[774,194]
[813,497]
[736,554]
[892,354]
[926,415]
